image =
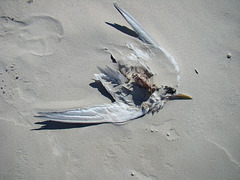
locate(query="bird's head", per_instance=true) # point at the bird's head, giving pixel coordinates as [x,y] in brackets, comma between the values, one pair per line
[172,94]
[160,96]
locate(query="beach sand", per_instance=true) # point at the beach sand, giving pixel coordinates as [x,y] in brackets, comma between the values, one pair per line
[49,51]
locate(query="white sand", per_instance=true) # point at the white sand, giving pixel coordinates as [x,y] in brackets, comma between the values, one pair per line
[54,48]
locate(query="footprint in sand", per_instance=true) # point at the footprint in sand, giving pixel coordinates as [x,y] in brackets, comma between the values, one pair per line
[168,129]
[38,35]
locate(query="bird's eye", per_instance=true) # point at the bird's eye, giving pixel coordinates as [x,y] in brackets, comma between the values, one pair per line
[169,90]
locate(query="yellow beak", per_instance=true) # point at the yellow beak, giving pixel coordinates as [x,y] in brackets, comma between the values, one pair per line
[181,96]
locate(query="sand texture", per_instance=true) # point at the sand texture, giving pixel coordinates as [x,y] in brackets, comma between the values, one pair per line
[49,51]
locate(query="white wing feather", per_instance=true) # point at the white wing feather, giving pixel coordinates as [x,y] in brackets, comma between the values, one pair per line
[142,34]
[114,81]
[109,113]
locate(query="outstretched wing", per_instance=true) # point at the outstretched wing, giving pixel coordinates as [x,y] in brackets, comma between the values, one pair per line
[142,34]
[163,63]
[109,113]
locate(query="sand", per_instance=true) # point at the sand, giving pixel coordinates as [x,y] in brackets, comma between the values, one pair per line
[49,52]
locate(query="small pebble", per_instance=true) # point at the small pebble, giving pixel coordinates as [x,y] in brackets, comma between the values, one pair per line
[4,92]
[132,174]
[229,55]
[29,1]
[16,77]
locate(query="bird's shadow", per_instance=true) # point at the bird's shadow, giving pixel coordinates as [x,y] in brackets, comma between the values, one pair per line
[52,125]
[98,85]
[123,29]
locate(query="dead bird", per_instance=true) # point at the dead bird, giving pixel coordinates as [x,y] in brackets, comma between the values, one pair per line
[131,83]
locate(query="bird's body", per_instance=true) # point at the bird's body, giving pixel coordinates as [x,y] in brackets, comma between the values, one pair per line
[131,83]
